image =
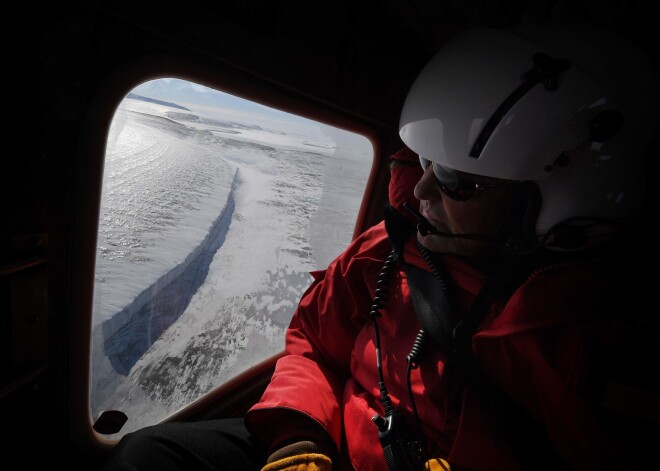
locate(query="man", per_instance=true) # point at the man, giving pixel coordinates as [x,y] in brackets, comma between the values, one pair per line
[484,337]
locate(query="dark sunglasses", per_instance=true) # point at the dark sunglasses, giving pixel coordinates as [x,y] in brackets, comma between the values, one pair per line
[456,185]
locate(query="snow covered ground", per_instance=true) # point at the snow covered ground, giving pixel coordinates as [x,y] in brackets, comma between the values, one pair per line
[288,202]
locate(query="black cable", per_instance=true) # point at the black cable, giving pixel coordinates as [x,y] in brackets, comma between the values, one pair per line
[414,358]
[401,451]
[379,298]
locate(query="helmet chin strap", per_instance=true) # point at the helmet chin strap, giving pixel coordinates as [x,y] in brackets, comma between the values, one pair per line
[579,233]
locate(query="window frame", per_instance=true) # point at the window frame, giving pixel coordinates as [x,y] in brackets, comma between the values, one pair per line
[233,397]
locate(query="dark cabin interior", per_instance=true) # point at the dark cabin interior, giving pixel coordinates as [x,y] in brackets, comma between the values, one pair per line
[345,62]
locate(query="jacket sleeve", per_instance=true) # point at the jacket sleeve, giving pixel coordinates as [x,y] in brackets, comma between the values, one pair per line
[310,377]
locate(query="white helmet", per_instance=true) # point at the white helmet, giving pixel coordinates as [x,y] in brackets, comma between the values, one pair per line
[571,108]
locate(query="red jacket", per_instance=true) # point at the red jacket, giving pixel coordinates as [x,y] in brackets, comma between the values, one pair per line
[548,346]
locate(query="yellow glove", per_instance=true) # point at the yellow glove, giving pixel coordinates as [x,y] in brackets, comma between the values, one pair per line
[437,464]
[302,462]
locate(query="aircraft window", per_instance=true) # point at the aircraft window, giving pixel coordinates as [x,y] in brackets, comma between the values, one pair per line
[214,210]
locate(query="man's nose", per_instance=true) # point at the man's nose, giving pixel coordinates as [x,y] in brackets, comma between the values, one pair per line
[426,188]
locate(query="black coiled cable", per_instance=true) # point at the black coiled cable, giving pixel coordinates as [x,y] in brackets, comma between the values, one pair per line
[416,350]
[379,299]
[413,363]
[413,357]
[428,258]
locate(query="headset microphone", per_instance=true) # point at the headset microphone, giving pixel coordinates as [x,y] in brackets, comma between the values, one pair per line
[423,225]
[510,245]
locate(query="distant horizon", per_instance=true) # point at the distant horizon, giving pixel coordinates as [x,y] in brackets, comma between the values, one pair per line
[135,96]
[218,103]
